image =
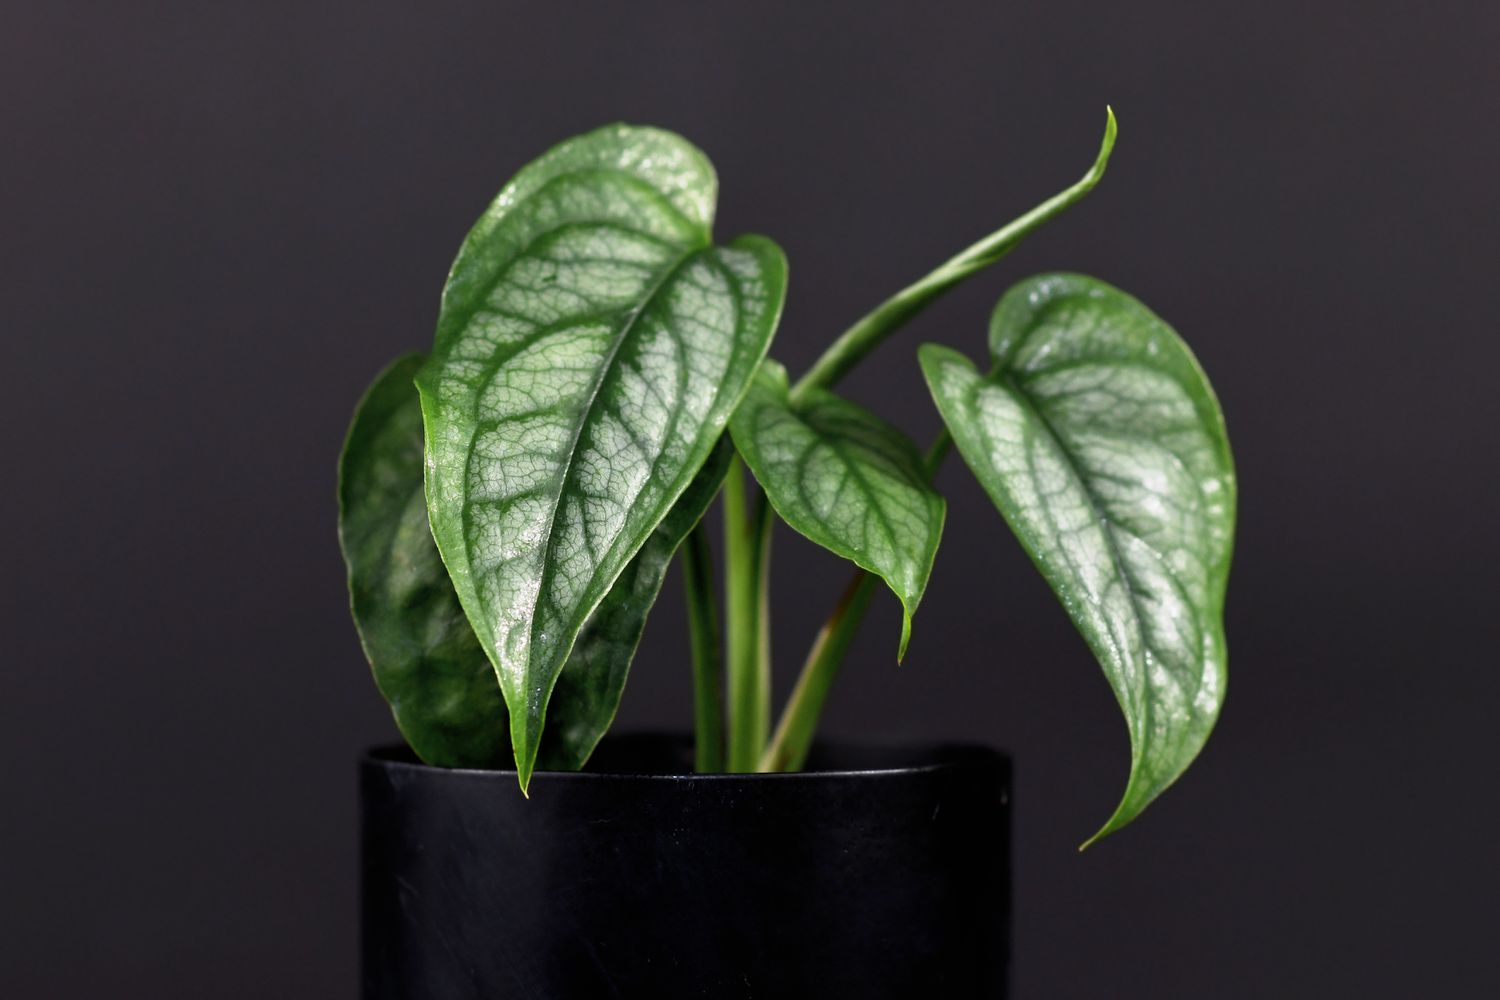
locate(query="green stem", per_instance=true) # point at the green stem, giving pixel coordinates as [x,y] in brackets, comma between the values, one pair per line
[861,338]
[746,554]
[703,629]
[936,453]
[764,520]
[794,733]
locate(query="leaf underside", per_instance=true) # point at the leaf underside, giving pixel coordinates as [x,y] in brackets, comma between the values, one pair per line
[846,479]
[1098,437]
[591,346]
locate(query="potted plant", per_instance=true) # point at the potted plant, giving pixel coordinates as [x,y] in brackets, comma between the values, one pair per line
[509,507]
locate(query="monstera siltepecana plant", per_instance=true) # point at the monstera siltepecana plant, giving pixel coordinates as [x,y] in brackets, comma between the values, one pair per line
[511,502]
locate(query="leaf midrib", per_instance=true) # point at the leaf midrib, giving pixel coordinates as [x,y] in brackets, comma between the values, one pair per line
[1004,376]
[585,415]
[1215,573]
[477,295]
[852,470]
[494,364]
[480,295]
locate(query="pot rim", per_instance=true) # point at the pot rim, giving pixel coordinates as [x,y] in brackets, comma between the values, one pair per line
[932,756]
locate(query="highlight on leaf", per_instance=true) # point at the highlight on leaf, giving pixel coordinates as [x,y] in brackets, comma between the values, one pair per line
[426,660]
[591,346]
[1099,439]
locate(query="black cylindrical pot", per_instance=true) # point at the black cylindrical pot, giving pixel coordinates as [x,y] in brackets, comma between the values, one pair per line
[875,873]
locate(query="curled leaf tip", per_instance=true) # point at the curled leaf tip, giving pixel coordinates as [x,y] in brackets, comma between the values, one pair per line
[1122,817]
[1106,146]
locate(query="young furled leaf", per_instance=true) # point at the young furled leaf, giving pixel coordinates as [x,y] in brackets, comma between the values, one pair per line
[846,479]
[1099,438]
[591,346]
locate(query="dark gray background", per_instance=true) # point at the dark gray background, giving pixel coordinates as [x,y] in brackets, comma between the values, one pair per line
[217,221]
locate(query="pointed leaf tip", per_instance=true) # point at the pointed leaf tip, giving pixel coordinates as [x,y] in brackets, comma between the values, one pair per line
[525,766]
[1099,439]
[847,480]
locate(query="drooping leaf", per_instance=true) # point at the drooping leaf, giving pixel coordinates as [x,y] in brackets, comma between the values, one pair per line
[422,650]
[1100,440]
[591,346]
[588,691]
[846,479]
[423,653]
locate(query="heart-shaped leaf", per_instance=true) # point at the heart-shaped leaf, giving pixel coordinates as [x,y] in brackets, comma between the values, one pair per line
[591,346]
[423,653]
[1100,440]
[846,479]
[422,650]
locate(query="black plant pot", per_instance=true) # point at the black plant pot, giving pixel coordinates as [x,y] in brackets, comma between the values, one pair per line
[875,873]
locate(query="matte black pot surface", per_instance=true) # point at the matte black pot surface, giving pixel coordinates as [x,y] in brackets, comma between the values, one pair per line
[876,873]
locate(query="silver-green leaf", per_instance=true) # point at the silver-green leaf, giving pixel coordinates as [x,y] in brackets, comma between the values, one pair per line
[588,690]
[591,346]
[846,479]
[1098,437]
[423,652]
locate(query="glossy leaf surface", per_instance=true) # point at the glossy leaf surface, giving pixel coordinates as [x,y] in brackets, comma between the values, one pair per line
[1100,440]
[423,653]
[588,691]
[591,346]
[846,479]
[425,657]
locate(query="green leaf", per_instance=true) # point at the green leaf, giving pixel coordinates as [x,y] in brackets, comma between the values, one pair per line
[588,691]
[423,653]
[591,346]
[1100,440]
[846,479]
